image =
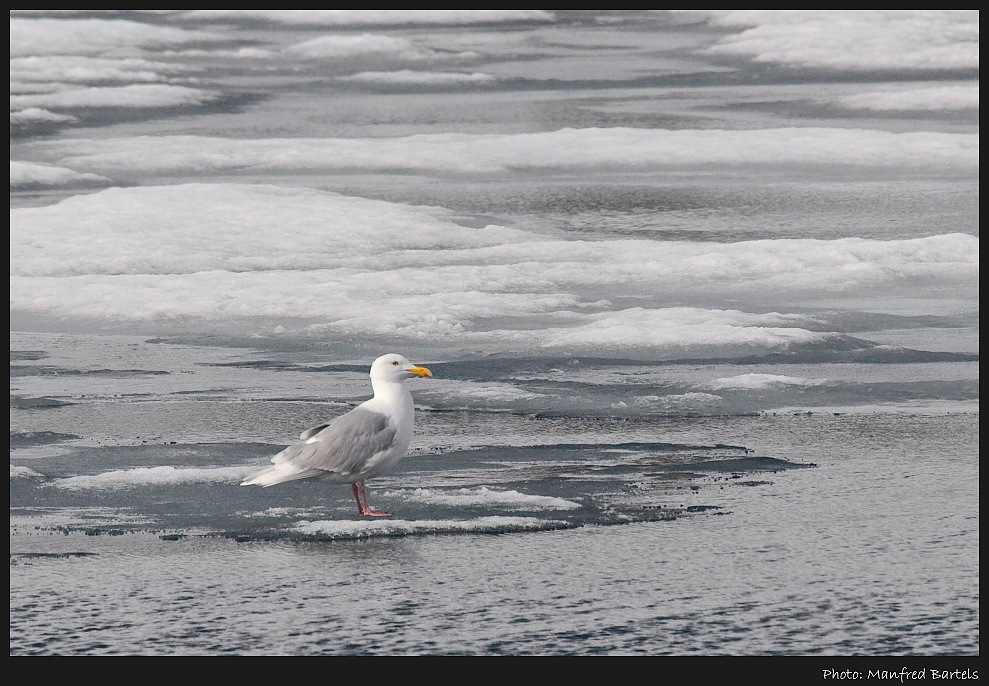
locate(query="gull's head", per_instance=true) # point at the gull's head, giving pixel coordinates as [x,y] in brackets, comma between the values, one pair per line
[395,368]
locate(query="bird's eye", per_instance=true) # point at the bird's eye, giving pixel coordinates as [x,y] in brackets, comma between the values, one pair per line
[395,363]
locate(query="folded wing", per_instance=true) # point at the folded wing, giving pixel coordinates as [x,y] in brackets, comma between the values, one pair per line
[339,449]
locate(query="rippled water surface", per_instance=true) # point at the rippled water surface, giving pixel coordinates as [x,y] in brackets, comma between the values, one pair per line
[874,551]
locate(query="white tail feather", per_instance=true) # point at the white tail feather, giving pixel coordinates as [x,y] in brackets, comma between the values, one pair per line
[280,473]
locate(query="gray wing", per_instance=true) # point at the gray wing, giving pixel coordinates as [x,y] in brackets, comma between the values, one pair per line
[343,446]
[309,433]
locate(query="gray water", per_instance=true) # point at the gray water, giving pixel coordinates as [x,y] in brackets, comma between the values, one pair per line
[780,533]
[873,551]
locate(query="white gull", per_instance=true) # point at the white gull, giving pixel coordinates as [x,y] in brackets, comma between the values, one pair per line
[366,442]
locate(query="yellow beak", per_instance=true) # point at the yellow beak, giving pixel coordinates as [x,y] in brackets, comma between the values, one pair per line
[419,371]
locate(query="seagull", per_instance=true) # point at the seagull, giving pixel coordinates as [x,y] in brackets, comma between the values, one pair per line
[366,442]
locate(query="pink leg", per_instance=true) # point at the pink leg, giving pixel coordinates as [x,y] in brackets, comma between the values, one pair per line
[362,505]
